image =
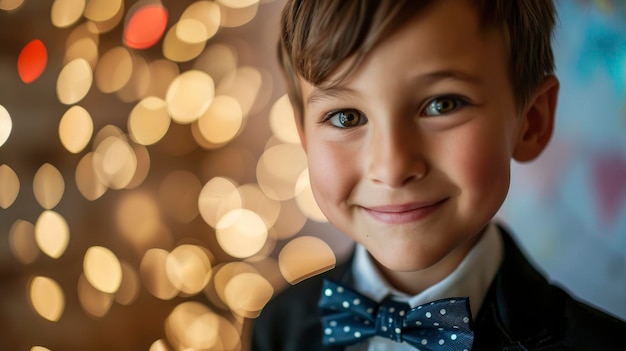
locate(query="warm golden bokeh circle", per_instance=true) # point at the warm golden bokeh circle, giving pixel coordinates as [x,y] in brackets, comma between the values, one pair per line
[9,186]
[102,269]
[6,125]
[75,129]
[65,13]
[22,241]
[303,257]
[52,233]
[149,121]
[74,81]
[189,96]
[48,186]
[47,298]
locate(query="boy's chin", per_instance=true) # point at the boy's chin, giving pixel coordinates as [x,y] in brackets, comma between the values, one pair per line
[412,269]
[403,260]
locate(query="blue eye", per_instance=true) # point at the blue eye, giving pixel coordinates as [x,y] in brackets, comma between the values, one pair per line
[443,105]
[346,118]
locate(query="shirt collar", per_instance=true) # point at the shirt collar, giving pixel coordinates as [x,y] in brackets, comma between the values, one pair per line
[471,278]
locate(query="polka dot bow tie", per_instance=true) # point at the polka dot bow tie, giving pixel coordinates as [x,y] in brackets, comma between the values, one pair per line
[349,318]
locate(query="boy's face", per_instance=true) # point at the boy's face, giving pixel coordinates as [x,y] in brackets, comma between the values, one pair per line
[411,156]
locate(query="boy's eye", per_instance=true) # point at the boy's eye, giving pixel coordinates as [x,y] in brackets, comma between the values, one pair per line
[442,105]
[346,118]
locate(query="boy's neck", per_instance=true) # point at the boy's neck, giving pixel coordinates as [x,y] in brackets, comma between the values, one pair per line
[413,283]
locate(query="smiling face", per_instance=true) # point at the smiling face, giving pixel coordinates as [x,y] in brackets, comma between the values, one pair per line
[410,156]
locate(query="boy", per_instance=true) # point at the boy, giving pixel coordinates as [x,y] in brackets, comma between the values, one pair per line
[410,113]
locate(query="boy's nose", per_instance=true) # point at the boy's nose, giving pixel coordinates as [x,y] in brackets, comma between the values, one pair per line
[396,158]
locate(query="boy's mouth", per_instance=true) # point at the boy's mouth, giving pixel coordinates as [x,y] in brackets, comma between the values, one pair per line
[405,213]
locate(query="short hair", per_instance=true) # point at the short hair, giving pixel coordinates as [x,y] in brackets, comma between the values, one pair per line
[317,36]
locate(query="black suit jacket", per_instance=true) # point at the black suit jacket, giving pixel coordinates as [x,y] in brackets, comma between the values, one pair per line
[521,311]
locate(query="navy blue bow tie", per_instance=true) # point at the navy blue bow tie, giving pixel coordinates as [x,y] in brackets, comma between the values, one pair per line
[349,318]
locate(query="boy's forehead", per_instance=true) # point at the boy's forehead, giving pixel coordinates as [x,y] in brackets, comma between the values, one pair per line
[439,50]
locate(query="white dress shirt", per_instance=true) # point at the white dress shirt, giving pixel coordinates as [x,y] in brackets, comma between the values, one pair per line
[471,278]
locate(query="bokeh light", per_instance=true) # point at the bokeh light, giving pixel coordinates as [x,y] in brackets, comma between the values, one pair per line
[290,220]
[48,186]
[218,60]
[143,166]
[83,43]
[115,162]
[102,269]
[9,186]
[177,50]
[254,199]
[282,121]
[277,178]
[52,233]
[148,121]
[75,129]
[32,61]
[87,180]
[243,84]
[47,298]
[217,197]
[138,83]
[74,81]
[108,23]
[22,241]
[146,25]
[10,5]
[93,301]
[304,257]
[189,96]
[102,10]
[130,286]
[222,121]
[65,13]
[85,30]
[6,125]
[305,199]
[199,22]
[153,271]
[114,70]
[237,13]
[160,345]
[188,268]
[222,275]
[192,325]
[238,4]
[247,293]
[241,233]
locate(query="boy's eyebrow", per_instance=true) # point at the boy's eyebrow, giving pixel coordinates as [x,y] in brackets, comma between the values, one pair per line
[320,93]
[449,74]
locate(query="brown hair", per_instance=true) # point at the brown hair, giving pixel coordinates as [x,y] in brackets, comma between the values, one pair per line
[317,36]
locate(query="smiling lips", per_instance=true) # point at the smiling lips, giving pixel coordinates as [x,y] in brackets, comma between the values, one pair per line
[402,214]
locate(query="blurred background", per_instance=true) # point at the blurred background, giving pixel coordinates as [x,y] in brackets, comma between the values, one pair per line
[153,195]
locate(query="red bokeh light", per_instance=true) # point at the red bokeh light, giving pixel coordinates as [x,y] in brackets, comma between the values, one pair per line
[32,61]
[145,27]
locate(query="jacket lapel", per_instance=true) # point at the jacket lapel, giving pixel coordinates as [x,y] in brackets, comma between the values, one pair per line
[521,310]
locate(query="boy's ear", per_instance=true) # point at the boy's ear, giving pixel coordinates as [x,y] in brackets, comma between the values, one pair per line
[537,121]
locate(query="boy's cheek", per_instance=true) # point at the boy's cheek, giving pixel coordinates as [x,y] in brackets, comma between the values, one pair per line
[484,175]
[331,175]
